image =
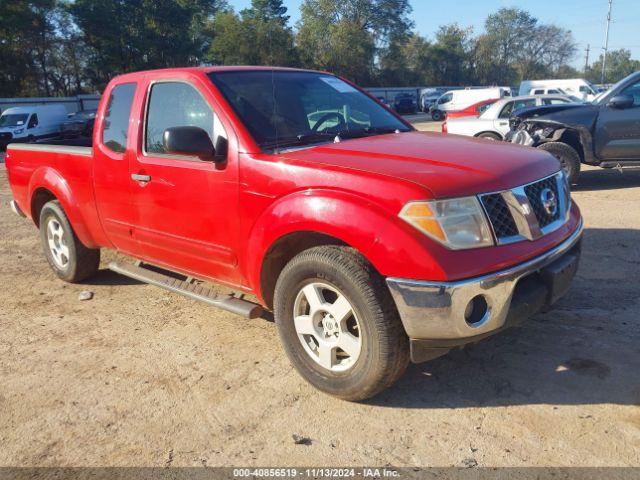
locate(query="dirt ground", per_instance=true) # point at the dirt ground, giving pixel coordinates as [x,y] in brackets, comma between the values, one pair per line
[141,377]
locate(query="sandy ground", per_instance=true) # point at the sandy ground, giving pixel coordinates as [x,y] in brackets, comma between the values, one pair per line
[140,377]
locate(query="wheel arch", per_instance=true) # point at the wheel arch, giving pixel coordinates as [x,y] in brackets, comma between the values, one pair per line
[282,251]
[493,132]
[46,185]
[302,221]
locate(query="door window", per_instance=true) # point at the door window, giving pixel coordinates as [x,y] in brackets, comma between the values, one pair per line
[510,107]
[176,104]
[538,92]
[633,91]
[33,121]
[554,101]
[445,98]
[116,119]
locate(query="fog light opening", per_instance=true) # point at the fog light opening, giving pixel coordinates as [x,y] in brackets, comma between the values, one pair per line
[476,311]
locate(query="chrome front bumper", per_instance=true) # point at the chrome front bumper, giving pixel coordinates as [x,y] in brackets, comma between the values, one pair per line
[440,311]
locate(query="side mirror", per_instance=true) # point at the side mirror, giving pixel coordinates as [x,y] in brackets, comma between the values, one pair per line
[192,141]
[221,150]
[621,102]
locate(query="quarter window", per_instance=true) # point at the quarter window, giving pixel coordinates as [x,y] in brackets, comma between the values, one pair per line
[116,119]
[175,104]
[555,101]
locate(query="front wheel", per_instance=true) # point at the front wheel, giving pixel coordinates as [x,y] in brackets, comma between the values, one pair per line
[69,259]
[567,156]
[338,323]
[437,115]
[490,136]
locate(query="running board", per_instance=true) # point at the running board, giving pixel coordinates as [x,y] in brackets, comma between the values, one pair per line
[620,164]
[188,288]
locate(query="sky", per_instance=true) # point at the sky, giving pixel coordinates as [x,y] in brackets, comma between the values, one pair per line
[585,18]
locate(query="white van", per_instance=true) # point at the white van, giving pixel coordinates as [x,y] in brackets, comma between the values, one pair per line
[576,87]
[455,100]
[28,124]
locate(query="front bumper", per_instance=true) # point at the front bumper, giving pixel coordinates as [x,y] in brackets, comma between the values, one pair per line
[440,316]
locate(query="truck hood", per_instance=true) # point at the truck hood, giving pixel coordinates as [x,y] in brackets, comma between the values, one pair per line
[446,165]
[565,115]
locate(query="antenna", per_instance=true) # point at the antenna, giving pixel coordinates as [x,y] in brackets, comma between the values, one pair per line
[606,42]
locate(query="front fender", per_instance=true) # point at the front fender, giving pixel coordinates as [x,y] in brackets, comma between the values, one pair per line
[393,247]
[50,179]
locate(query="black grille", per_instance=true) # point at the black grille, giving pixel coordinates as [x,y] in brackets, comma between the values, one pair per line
[534,191]
[499,215]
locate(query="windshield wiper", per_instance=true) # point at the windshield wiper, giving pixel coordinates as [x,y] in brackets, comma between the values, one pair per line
[316,137]
[300,140]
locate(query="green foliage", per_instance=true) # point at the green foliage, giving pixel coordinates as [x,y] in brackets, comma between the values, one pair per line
[345,36]
[258,36]
[619,64]
[63,47]
[516,47]
[128,35]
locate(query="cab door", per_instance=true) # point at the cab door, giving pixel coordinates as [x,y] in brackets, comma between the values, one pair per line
[112,185]
[186,208]
[617,133]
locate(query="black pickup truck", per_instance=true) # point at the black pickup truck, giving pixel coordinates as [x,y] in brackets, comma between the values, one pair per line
[604,133]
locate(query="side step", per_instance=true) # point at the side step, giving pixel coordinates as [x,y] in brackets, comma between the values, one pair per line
[620,164]
[188,288]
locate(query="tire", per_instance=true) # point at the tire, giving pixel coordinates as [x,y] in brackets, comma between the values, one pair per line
[567,156]
[490,136]
[31,139]
[69,259]
[337,274]
[437,115]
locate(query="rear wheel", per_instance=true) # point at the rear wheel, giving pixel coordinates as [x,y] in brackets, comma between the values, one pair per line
[490,136]
[338,323]
[69,259]
[567,156]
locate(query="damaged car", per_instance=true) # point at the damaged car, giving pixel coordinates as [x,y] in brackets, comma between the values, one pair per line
[604,133]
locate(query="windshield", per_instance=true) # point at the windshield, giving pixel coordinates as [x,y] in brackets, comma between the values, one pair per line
[284,109]
[13,119]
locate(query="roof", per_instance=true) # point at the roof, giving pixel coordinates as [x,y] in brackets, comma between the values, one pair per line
[213,69]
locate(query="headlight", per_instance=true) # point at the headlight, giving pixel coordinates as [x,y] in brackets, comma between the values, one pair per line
[18,131]
[457,223]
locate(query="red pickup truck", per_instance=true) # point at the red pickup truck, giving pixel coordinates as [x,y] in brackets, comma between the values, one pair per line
[373,244]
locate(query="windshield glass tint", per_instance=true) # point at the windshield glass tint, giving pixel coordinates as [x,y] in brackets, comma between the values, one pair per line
[282,107]
[13,120]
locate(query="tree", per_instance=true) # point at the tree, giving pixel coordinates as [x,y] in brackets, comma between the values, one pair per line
[619,65]
[143,34]
[451,55]
[266,11]
[16,75]
[258,36]
[516,46]
[348,36]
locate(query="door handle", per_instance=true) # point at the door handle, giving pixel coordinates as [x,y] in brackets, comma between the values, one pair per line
[140,178]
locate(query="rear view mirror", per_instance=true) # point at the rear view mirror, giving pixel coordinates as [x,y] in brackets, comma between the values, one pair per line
[192,141]
[621,101]
[221,149]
